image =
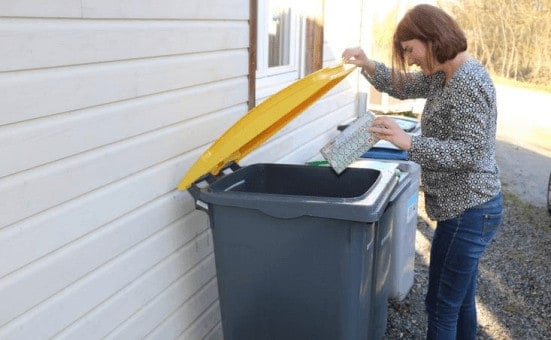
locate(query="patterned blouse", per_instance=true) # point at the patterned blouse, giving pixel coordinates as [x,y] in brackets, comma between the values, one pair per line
[456,150]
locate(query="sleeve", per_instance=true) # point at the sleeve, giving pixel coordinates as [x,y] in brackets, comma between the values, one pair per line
[469,133]
[416,85]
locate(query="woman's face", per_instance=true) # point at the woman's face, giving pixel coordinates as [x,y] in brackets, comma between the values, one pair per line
[415,53]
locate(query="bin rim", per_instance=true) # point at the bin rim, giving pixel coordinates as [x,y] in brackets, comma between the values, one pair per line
[367,207]
[264,120]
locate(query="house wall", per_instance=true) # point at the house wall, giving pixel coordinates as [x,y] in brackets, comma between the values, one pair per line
[105,104]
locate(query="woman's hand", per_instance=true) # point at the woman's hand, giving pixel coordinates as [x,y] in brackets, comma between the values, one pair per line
[387,129]
[356,56]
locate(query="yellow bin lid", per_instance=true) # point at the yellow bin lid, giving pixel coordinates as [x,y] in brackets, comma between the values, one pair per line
[263,121]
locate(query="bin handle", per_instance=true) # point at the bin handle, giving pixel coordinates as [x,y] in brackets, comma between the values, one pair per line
[402,185]
[195,189]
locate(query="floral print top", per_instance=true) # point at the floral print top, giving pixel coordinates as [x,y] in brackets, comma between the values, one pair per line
[456,149]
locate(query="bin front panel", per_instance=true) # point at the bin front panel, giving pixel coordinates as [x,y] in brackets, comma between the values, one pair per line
[302,278]
[405,225]
[381,268]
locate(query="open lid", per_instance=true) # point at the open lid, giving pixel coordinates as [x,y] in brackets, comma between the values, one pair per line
[263,121]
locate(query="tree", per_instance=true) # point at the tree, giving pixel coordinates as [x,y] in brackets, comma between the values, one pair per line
[512,38]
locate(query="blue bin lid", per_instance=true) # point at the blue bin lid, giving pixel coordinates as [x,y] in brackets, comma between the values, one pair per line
[386,153]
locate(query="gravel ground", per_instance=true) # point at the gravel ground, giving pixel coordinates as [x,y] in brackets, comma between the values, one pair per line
[514,285]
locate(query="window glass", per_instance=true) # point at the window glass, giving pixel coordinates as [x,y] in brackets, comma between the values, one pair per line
[279,34]
[288,42]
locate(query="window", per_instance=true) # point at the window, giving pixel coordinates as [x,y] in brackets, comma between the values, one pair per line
[279,35]
[278,38]
[286,43]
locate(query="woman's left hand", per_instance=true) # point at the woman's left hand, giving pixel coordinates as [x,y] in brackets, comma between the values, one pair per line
[387,129]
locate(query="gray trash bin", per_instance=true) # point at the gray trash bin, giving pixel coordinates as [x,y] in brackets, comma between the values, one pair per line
[296,250]
[404,225]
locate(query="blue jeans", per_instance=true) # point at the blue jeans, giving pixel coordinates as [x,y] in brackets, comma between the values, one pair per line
[457,247]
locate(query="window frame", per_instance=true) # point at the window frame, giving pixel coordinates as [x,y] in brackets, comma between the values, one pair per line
[295,38]
[306,49]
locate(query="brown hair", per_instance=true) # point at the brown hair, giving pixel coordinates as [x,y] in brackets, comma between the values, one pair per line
[434,27]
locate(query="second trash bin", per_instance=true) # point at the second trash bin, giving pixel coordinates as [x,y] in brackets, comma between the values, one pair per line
[404,217]
[404,208]
[403,211]
[296,250]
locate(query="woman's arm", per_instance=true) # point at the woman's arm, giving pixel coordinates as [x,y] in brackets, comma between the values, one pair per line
[415,85]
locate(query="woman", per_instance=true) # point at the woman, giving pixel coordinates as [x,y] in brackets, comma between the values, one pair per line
[456,152]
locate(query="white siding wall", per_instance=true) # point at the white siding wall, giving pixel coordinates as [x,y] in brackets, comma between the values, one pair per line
[104,104]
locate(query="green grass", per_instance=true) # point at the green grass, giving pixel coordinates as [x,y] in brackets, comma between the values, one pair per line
[526,213]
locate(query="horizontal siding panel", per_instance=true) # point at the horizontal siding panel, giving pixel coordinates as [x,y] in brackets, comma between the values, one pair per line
[27,241]
[204,324]
[170,9]
[63,267]
[184,316]
[146,9]
[39,93]
[215,334]
[179,294]
[41,141]
[52,43]
[41,8]
[189,263]
[41,188]
[75,301]
[267,86]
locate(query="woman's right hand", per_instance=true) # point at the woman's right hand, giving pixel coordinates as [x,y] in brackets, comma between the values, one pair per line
[356,56]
